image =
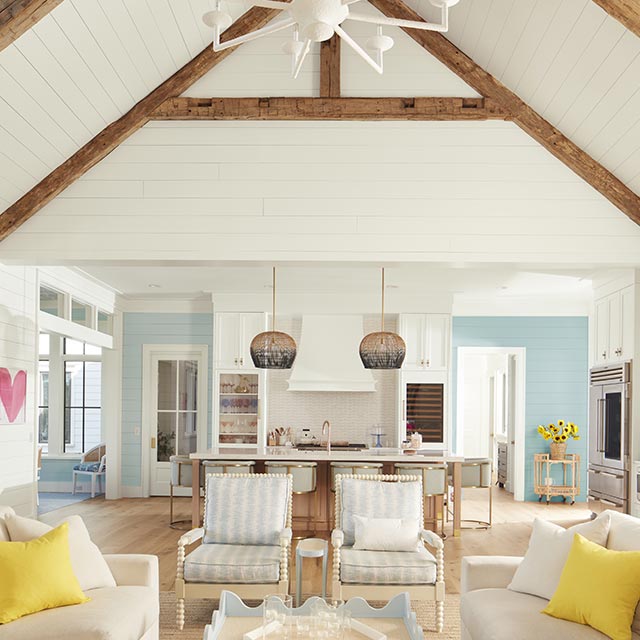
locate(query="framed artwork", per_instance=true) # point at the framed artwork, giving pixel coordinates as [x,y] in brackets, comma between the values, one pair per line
[13,395]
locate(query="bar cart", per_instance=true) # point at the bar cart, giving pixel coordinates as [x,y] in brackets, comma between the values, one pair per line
[543,480]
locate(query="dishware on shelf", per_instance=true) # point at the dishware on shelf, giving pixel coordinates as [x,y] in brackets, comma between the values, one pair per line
[276,608]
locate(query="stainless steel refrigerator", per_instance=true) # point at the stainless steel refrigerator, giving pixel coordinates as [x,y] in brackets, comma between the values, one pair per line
[609,420]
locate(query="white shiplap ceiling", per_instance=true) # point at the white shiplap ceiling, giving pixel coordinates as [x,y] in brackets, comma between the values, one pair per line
[87,63]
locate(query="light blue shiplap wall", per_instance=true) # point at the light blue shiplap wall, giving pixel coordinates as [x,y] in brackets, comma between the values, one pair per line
[58,470]
[557,366]
[152,328]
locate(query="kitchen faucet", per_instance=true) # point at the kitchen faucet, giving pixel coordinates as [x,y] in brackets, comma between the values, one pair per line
[326,426]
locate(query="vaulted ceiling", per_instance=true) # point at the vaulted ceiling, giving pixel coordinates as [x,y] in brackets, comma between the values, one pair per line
[83,66]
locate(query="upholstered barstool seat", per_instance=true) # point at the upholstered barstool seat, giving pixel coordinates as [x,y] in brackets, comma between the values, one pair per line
[181,476]
[305,480]
[434,484]
[229,466]
[477,474]
[354,468]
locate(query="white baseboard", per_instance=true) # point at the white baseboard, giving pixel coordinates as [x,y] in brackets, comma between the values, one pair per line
[131,492]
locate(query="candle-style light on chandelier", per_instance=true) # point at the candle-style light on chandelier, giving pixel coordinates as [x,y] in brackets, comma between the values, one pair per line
[273,349]
[317,21]
[382,349]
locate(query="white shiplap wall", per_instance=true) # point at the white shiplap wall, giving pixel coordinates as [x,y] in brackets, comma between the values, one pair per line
[479,191]
[17,351]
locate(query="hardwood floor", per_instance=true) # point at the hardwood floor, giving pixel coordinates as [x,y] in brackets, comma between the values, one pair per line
[140,526]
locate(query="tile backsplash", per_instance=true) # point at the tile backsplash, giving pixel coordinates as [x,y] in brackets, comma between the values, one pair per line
[352,415]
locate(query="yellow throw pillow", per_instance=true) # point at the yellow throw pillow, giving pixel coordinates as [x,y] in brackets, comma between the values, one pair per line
[37,575]
[598,587]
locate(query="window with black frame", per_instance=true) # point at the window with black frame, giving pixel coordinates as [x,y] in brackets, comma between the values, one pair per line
[82,396]
[43,392]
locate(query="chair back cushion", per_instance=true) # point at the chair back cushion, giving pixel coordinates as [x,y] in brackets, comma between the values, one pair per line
[240,510]
[377,499]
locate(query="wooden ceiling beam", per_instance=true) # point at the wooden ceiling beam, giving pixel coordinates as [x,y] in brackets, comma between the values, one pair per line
[329,109]
[627,12]
[330,67]
[527,118]
[117,132]
[18,16]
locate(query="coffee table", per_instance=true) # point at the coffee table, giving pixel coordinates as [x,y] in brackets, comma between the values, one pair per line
[396,620]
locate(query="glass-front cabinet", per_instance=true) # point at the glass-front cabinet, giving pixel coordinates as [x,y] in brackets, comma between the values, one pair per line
[239,408]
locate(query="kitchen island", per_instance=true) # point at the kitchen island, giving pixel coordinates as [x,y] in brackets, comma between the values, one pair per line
[315,510]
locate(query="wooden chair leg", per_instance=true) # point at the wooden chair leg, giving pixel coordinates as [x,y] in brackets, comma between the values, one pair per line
[439,616]
[75,477]
[180,613]
[93,485]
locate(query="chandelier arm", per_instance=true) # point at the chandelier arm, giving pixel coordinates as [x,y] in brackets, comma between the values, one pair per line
[303,54]
[253,35]
[394,22]
[358,49]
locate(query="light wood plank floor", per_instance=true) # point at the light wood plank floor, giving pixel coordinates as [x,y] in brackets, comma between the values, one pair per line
[140,526]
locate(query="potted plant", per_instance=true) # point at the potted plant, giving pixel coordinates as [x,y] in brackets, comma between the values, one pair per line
[558,436]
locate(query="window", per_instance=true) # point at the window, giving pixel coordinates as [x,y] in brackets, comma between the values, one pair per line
[80,313]
[43,392]
[51,301]
[82,396]
[105,322]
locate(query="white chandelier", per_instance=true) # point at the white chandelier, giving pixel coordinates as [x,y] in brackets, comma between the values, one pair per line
[318,20]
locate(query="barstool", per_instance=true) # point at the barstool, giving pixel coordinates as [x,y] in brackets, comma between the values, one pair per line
[311,548]
[476,474]
[228,466]
[305,480]
[354,468]
[434,484]
[181,476]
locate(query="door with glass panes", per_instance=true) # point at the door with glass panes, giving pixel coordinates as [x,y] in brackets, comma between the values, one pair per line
[176,411]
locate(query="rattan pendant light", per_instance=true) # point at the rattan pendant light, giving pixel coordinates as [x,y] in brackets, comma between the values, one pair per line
[273,349]
[382,349]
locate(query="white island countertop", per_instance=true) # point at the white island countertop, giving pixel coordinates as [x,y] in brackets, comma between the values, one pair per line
[321,455]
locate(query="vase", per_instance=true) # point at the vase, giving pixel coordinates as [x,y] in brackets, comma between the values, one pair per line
[558,450]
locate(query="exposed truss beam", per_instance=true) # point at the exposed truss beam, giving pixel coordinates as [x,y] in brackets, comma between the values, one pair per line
[18,16]
[330,67]
[329,109]
[527,119]
[113,135]
[626,12]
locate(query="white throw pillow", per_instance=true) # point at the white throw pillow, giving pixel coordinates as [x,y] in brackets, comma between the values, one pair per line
[386,534]
[90,567]
[539,572]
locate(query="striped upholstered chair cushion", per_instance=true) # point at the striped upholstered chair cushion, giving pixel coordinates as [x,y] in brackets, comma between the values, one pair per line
[377,499]
[387,567]
[229,563]
[245,511]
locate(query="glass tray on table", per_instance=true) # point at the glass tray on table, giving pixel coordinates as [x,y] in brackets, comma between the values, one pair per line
[395,620]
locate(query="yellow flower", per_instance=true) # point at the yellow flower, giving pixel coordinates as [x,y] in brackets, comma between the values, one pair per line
[540,429]
[576,437]
[564,437]
[566,430]
[574,428]
[561,423]
[556,438]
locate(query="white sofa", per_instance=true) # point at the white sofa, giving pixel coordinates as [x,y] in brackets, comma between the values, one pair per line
[129,611]
[490,611]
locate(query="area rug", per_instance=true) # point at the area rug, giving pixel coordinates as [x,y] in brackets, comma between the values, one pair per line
[198,614]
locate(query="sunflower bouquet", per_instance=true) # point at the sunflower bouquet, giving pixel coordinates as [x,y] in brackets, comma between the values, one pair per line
[559,432]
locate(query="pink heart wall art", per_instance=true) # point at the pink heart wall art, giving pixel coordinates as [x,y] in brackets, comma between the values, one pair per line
[13,394]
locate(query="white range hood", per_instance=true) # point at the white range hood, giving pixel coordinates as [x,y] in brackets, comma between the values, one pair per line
[328,358]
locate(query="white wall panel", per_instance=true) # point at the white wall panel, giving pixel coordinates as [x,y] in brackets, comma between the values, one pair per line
[328,191]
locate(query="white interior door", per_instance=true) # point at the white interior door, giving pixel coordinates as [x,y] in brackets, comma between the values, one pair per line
[176,410]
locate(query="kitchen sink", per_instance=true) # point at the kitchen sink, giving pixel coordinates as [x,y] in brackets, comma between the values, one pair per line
[334,447]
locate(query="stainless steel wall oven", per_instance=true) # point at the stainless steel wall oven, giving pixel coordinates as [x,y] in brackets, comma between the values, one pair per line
[609,414]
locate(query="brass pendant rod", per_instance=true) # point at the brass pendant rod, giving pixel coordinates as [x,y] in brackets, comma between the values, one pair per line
[382,318]
[273,302]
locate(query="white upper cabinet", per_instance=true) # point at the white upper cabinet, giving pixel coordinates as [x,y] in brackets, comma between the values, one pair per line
[614,326]
[234,332]
[427,339]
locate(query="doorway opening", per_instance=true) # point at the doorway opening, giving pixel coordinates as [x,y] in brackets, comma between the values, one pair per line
[490,410]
